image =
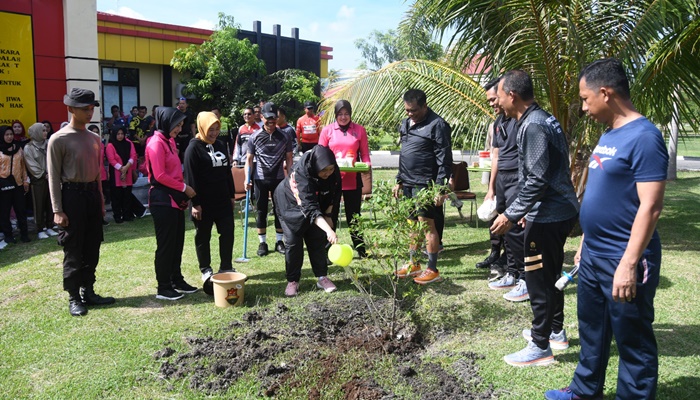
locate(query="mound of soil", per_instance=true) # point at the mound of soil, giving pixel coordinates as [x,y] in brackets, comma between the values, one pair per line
[277,344]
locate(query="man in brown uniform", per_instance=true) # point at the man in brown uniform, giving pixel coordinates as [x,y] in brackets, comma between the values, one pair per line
[74,164]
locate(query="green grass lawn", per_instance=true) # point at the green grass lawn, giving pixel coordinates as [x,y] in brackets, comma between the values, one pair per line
[689,146]
[47,354]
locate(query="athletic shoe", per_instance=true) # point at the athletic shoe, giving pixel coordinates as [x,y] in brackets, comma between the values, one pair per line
[3,244]
[146,212]
[292,289]
[518,293]
[279,247]
[427,276]
[207,284]
[262,249]
[507,282]
[325,284]
[10,240]
[25,239]
[42,235]
[105,222]
[567,394]
[168,294]
[184,287]
[530,356]
[51,232]
[557,341]
[408,269]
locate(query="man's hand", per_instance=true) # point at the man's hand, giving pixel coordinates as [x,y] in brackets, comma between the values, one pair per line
[396,191]
[60,219]
[625,282]
[501,225]
[489,195]
[197,212]
[189,191]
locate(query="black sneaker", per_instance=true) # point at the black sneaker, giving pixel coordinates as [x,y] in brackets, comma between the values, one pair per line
[184,287]
[168,294]
[492,258]
[279,247]
[262,249]
[207,284]
[105,222]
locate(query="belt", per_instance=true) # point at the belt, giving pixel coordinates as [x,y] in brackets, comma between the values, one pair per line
[84,186]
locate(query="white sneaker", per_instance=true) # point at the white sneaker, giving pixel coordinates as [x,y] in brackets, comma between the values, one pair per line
[51,232]
[42,235]
[3,244]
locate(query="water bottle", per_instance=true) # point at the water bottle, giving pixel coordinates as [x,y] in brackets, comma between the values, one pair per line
[567,277]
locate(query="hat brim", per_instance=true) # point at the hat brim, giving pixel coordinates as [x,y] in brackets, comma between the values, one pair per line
[269,115]
[73,103]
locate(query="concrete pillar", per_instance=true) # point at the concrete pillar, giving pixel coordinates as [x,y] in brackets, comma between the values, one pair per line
[80,33]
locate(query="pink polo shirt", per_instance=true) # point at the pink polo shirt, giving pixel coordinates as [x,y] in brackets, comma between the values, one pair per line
[354,141]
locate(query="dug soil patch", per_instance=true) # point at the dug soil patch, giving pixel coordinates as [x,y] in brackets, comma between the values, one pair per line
[330,347]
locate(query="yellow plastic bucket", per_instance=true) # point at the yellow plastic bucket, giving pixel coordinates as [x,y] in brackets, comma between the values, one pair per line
[229,288]
[340,254]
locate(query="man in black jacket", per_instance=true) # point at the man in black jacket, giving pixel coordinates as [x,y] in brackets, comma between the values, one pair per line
[547,207]
[425,159]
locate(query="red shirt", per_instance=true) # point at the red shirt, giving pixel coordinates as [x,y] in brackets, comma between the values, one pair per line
[308,129]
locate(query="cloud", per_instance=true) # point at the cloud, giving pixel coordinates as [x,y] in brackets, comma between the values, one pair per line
[127,12]
[346,12]
[204,24]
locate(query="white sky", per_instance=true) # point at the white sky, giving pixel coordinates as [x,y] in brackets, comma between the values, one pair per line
[334,24]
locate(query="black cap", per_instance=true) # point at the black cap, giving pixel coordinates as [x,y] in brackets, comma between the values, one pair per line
[309,104]
[80,98]
[269,110]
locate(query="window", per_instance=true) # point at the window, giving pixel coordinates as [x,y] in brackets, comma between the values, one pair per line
[120,86]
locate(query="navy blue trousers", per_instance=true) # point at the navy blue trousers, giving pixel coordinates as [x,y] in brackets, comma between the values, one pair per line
[630,322]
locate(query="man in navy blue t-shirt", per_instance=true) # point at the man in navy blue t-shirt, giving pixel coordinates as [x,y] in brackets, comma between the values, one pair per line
[620,253]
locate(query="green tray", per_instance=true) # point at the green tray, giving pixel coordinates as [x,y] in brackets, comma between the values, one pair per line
[354,169]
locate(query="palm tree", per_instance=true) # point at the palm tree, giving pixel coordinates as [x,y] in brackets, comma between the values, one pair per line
[658,41]
[376,98]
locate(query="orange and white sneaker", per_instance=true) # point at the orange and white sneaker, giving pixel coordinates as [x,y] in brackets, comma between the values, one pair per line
[427,276]
[408,269]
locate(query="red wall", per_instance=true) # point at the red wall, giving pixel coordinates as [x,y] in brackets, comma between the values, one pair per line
[49,55]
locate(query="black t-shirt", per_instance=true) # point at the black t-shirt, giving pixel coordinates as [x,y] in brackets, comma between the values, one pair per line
[506,139]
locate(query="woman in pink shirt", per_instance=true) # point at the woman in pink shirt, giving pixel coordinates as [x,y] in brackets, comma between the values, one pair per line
[348,141]
[168,197]
[121,155]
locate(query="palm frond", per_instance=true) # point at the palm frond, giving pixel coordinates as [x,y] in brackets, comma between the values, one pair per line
[376,98]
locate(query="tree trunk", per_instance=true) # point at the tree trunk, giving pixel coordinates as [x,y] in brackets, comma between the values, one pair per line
[673,145]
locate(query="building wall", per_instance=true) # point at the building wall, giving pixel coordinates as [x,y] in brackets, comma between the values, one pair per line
[47,72]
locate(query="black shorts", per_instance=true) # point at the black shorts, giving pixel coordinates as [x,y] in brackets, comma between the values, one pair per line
[426,212]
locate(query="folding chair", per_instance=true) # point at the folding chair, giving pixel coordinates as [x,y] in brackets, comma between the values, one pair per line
[239,185]
[460,181]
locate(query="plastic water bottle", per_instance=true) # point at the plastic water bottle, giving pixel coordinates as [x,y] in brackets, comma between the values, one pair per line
[567,277]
